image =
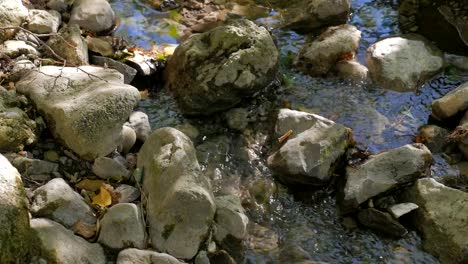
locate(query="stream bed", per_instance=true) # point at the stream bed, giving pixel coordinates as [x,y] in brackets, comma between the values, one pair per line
[380,120]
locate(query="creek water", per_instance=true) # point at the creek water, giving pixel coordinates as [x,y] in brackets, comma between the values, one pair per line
[380,120]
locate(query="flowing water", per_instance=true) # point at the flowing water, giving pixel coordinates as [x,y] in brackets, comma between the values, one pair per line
[380,120]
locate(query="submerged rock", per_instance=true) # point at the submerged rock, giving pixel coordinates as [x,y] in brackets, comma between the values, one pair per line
[213,71]
[12,13]
[403,63]
[384,172]
[452,103]
[180,207]
[310,154]
[133,255]
[352,71]
[318,57]
[442,219]
[93,15]
[434,137]
[85,108]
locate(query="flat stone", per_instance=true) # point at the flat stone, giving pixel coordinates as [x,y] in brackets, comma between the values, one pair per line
[400,209]
[128,72]
[106,168]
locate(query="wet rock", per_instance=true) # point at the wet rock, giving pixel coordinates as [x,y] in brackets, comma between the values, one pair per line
[57,201]
[400,209]
[403,63]
[15,239]
[76,51]
[352,71]
[12,13]
[261,238]
[213,71]
[318,56]
[180,208]
[15,48]
[237,118]
[123,226]
[306,15]
[434,137]
[43,21]
[189,130]
[441,218]
[128,72]
[294,254]
[133,255]
[127,193]
[381,222]
[311,152]
[230,218]
[459,62]
[384,172]
[86,113]
[129,139]
[108,168]
[93,15]
[452,103]
[60,245]
[139,121]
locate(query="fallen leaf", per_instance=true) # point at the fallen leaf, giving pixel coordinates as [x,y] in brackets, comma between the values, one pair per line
[115,196]
[89,185]
[144,94]
[11,86]
[103,199]
[84,229]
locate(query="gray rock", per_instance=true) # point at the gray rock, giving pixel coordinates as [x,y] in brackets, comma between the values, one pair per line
[27,166]
[129,139]
[400,209]
[93,15]
[12,13]
[306,15]
[230,218]
[352,71]
[138,256]
[311,152]
[381,222]
[202,258]
[59,5]
[60,245]
[384,172]
[262,239]
[43,21]
[86,112]
[237,118]
[127,193]
[128,72]
[139,121]
[213,71]
[15,242]
[180,208]
[123,226]
[318,56]
[434,137]
[57,201]
[20,68]
[15,48]
[106,168]
[459,62]
[101,45]
[73,49]
[452,103]
[403,63]
[441,218]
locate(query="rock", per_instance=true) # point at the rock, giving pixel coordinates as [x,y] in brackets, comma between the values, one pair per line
[106,168]
[221,256]
[452,103]
[128,72]
[403,63]
[262,238]
[139,121]
[189,130]
[441,218]
[15,241]
[57,201]
[60,245]
[77,52]
[307,15]
[20,68]
[237,118]
[43,21]
[93,15]
[180,208]
[400,209]
[381,222]
[59,5]
[123,226]
[127,193]
[83,112]
[434,137]
[384,172]
[29,167]
[129,139]
[313,150]
[230,218]
[51,155]
[215,70]
[318,56]
[102,46]
[133,256]
[294,254]
[12,13]
[459,62]
[15,48]
[352,71]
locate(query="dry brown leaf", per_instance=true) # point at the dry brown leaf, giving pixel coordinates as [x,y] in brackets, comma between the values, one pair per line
[115,196]
[84,229]
[11,86]
[144,94]
[103,199]
[89,185]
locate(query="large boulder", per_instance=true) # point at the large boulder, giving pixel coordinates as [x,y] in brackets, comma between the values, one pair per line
[84,107]
[213,71]
[12,13]
[93,15]
[133,256]
[59,245]
[442,219]
[454,102]
[403,63]
[310,154]
[70,45]
[15,242]
[318,56]
[384,172]
[180,205]
[307,15]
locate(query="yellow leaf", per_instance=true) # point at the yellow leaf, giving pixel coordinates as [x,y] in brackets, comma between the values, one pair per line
[89,185]
[144,94]
[103,199]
